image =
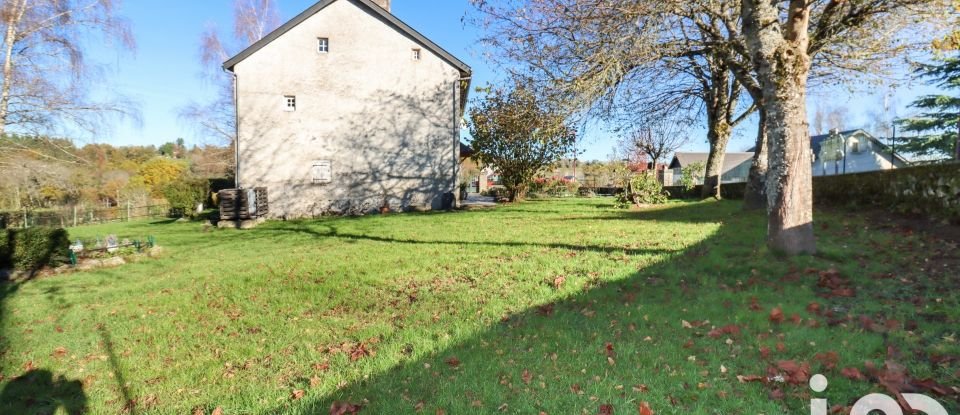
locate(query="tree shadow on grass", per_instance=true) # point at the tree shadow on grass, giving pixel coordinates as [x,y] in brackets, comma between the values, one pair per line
[38,392]
[604,345]
[333,231]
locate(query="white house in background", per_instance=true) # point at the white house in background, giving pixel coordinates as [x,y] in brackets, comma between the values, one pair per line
[736,167]
[346,108]
[853,151]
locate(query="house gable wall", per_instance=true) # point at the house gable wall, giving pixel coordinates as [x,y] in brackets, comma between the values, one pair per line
[386,123]
[870,157]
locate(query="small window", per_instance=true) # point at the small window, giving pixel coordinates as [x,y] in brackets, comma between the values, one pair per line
[321,172]
[289,103]
[415,54]
[323,45]
[855,146]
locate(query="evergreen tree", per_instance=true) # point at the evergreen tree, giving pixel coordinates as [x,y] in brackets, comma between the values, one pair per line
[938,125]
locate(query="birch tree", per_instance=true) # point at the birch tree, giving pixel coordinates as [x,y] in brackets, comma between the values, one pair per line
[216,119]
[45,79]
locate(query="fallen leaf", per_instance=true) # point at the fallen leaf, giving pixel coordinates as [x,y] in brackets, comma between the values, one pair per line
[730,329]
[297,394]
[776,315]
[829,360]
[526,376]
[359,351]
[344,408]
[795,374]
[453,362]
[558,281]
[608,349]
[59,352]
[217,411]
[750,378]
[852,373]
[644,408]
[606,409]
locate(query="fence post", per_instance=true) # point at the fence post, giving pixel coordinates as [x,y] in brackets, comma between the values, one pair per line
[74,215]
[128,211]
[25,226]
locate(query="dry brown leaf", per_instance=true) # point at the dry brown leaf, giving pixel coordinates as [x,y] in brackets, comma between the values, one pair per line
[776,315]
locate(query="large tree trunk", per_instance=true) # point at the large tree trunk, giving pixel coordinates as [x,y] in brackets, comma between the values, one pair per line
[755,196]
[718,136]
[783,67]
[718,102]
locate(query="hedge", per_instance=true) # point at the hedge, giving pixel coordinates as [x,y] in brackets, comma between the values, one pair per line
[928,190]
[184,194]
[33,248]
[727,191]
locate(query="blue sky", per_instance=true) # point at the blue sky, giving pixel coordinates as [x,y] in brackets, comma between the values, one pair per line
[163,75]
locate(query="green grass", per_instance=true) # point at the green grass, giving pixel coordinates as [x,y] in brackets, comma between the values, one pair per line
[459,313]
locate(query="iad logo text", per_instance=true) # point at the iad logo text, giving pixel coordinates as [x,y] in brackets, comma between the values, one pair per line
[875,402]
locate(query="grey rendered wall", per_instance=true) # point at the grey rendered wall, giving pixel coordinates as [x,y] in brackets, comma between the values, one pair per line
[387,123]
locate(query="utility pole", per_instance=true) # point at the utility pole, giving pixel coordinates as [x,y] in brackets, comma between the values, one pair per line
[893,146]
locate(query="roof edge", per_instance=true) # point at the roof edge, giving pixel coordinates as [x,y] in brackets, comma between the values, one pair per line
[464,69]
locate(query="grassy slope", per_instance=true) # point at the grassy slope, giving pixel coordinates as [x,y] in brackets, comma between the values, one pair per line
[241,320]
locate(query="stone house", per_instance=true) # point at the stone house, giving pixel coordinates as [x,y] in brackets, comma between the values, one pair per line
[345,108]
[853,151]
[736,167]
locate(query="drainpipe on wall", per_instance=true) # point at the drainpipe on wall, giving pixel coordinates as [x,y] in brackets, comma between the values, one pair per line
[457,117]
[236,130]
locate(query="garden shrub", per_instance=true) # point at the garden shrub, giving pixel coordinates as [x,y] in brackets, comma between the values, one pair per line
[644,189]
[692,174]
[183,195]
[33,248]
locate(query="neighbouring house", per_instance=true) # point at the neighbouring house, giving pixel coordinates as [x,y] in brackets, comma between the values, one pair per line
[477,177]
[736,167]
[853,151]
[346,108]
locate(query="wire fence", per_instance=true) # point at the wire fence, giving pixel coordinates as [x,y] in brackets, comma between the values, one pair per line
[72,216]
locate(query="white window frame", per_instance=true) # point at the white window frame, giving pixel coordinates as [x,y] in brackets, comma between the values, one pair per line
[323,45]
[321,172]
[289,103]
[416,54]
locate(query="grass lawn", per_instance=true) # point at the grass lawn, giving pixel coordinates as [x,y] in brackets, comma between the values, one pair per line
[557,307]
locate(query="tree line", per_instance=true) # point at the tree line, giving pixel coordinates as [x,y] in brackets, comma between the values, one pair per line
[49,173]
